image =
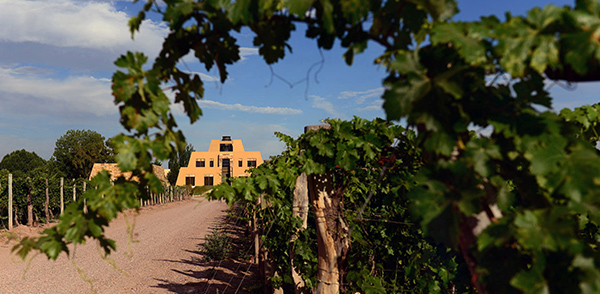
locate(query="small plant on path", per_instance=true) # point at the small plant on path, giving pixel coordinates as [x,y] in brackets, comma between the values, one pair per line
[217,245]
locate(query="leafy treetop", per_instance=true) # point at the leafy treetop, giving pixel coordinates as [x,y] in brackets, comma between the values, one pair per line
[177,161]
[21,162]
[77,151]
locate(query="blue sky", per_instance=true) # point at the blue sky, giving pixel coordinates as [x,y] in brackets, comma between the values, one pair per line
[56,63]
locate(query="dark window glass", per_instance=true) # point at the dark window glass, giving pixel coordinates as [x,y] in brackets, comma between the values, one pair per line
[252,163]
[226,147]
[208,181]
[225,162]
[240,163]
[190,181]
[212,163]
[200,163]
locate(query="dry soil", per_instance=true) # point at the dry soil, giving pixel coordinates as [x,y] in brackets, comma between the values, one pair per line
[164,257]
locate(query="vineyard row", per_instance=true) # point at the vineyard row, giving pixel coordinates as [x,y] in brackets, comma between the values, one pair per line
[35,201]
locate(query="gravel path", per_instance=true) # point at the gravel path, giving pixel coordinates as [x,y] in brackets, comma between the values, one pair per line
[163,257]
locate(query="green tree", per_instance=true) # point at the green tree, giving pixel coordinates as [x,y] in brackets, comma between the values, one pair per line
[177,161]
[520,206]
[78,150]
[21,162]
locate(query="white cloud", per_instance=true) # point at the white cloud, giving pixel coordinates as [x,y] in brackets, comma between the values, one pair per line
[205,77]
[70,23]
[32,70]
[376,105]
[321,103]
[499,79]
[245,108]
[311,13]
[361,96]
[39,95]
[208,78]
[246,51]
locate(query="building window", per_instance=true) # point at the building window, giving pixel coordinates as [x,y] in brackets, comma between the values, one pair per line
[208,181]
[212,163]
[251,162]
[225,162]
[240,162]
[190,181]
[200,162]
[227,147]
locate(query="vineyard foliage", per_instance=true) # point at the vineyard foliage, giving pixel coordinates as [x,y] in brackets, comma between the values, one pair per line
[388,252]
[37,183]
[534,177]
[74,154]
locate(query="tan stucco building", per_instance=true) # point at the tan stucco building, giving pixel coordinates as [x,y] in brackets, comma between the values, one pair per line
[224,158]
[115,172]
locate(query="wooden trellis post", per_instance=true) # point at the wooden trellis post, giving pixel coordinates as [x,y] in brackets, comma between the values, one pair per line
[299,209]
[85,210]
[29,204]
[10,203]
[62,195]
[74,190]
[46,210]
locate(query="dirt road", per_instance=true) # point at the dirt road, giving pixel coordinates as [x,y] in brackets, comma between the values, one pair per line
[163,256]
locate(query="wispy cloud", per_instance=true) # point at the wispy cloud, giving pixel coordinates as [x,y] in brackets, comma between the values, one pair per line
[361,96]
[375,105]
[206,77]
[32,70]
[246,51]
[322,103]
[246,108]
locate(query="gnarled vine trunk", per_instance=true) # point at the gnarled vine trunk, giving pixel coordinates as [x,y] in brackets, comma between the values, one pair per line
[29,208]
[332,233]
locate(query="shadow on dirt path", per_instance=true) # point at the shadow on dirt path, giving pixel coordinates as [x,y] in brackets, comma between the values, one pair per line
[235,274]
